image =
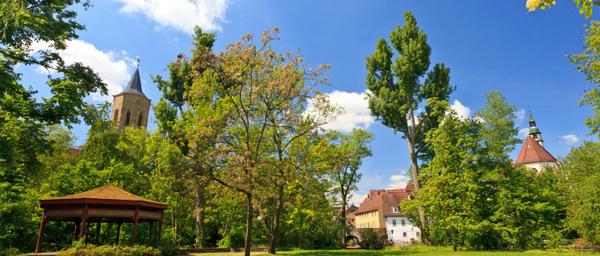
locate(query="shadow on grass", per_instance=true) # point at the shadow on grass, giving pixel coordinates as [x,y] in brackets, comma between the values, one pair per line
[353,252]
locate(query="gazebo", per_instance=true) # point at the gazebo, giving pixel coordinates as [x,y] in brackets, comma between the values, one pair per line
[108,204]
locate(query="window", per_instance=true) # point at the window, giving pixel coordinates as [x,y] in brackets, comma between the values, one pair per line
[418,234]
[403,234]
[116,116]
[393,222]
[140,117]
[402,222]
[395,209]
[392,231]
[127,118]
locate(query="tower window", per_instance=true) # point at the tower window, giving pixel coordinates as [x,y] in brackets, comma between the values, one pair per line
[127,118]
[140,117]
[116,116]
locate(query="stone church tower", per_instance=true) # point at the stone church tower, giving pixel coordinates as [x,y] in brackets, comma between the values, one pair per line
[131,107]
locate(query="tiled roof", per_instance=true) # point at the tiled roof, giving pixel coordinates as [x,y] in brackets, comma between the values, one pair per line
[106,192]
[533,152]
[385,200]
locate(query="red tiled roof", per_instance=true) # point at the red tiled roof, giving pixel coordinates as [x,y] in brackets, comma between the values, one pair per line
[383,199]
[533,152]
[106,192]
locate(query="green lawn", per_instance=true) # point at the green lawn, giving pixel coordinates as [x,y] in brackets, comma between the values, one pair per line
[417,251]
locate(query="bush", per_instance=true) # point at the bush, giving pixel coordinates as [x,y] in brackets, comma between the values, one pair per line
[110,250]
[373,239]
[235,239]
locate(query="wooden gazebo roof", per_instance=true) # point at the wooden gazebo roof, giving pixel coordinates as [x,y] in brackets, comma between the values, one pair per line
[106,195]
[104,204]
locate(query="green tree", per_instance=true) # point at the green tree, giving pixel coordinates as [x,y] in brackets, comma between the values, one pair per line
[24,119]
[185,118]
[472,194]
[581,185]
[397,92]
[349,151]
[587,63]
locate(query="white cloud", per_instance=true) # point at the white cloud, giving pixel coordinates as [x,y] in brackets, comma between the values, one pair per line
[356,199]
[355,111]
[397,182]
[520,115]
[463,111]
[570,139]
[523,132]
[111,66]
[182,15]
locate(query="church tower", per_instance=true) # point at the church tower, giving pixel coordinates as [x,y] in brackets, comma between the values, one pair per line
[533,154]
[534,131]
[131,107]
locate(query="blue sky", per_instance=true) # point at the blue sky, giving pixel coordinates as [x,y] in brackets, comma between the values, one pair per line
[489,45]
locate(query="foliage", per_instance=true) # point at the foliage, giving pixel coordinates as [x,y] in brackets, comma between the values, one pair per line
[587,63]
[25,134]
[581,185]
[233,239]
[397,91]
[348,153]
[373,239]
[473,195]
[585,6]
[110,250]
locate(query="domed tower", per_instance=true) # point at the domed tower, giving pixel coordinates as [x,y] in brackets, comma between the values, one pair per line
[533,154]
[131,107]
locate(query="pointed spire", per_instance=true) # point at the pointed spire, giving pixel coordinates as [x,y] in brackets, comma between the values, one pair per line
[531,121]
[135,85]
[534,131]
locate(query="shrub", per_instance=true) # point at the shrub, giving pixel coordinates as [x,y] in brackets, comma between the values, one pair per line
[373,239]
[235,239]
[110,250]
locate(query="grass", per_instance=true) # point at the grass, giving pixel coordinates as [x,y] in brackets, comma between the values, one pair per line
[416,251]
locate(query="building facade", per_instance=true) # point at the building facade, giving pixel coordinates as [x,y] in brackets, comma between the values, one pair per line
[381,210]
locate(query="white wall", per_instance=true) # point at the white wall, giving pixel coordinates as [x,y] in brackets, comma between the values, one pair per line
[401,234]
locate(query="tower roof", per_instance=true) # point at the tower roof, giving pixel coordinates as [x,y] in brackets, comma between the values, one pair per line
[533,152]
[135,85]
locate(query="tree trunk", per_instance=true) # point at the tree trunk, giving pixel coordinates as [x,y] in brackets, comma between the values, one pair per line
[248,240]
[343,221]
[274,236]
[414,168]
[199,214]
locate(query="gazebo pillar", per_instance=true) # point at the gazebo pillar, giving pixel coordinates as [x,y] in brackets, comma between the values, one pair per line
[83,226]
[38,244]
[160,227]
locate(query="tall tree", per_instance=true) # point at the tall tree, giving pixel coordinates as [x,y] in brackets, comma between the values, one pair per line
[182,118]
[349,151]
[24,118]
[581,184]
[252,93]
[397,92]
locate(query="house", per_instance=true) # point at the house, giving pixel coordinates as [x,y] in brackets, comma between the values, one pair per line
[380,210]
[533,154]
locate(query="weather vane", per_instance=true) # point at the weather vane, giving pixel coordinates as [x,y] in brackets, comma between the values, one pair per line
[137,59]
